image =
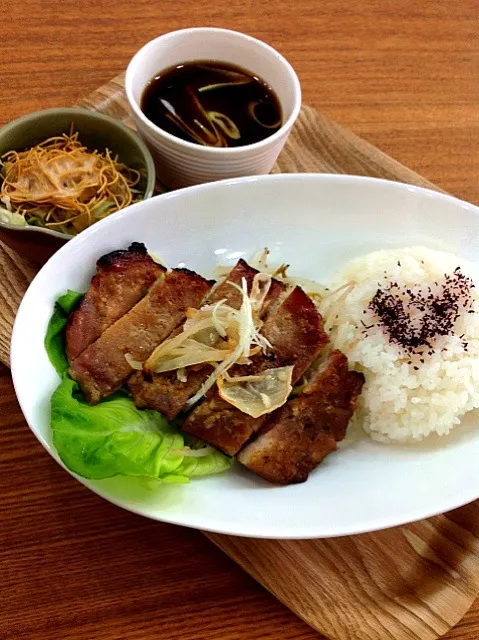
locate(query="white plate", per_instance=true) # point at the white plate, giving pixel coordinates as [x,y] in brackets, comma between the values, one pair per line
[314,223]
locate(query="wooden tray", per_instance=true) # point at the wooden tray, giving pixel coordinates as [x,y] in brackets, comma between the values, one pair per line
[412,582]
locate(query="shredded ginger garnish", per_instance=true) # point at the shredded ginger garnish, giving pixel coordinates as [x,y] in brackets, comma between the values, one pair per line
[216,334]
[316,291]
[335,303]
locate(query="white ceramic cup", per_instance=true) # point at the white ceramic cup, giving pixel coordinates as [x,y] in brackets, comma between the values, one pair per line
[180,163]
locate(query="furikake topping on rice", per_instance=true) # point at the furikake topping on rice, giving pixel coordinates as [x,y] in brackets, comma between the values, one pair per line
[413,317]
[414,334]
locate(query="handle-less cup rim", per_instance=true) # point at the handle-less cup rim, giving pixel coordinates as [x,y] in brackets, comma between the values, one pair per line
[165,51]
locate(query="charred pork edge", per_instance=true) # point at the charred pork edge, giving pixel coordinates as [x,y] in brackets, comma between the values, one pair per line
[103,265]
[108,258]
[159,280]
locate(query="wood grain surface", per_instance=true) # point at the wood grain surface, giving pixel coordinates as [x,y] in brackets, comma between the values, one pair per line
[403,76]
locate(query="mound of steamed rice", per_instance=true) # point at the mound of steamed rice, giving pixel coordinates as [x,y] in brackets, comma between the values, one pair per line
[405,399]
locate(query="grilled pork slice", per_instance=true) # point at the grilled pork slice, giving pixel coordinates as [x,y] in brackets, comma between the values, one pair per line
[295,332]
[122,279]
[164,391]
[295,438]
[102,368]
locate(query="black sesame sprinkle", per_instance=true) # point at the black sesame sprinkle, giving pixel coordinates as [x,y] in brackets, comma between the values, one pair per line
[413,316]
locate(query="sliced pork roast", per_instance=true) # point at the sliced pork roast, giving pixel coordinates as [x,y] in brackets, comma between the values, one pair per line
[164,391]
[295,438]
[103,367]
[295,332]
[122,279]
[134,304]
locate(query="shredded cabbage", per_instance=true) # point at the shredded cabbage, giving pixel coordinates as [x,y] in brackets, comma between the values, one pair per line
[12,217]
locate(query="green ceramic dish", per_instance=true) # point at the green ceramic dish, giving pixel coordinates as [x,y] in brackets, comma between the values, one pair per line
[96,131]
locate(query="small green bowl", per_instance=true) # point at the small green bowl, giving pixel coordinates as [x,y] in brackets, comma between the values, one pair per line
[96,131]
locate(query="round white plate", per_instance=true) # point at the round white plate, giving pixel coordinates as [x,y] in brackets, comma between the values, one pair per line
[314,223]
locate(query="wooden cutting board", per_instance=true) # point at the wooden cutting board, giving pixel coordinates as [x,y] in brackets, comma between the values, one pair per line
[408,583]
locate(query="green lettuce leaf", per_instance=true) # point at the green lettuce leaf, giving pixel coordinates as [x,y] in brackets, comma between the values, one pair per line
[55,336]
[115,438]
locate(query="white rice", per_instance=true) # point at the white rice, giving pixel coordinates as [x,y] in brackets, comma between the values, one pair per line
[403,399]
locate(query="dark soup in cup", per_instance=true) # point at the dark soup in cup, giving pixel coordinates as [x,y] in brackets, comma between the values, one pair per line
[212,103]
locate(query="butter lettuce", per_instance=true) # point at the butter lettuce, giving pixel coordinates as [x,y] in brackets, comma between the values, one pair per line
[114,437]
[55,336]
